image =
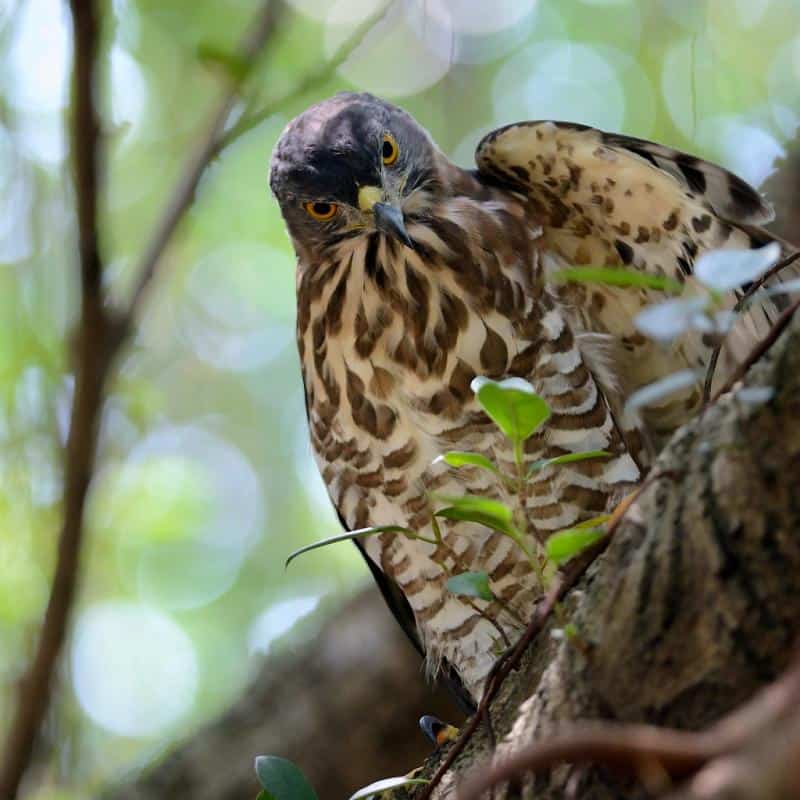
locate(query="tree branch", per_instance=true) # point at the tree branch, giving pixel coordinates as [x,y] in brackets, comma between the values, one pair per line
[99,339]
[646,749]
[93,359]
[206,150]
[313,80]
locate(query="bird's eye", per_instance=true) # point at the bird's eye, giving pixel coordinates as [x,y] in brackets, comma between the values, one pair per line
[389,149]
[320,211]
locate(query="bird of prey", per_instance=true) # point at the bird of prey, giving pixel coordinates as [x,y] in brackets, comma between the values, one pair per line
[415,275]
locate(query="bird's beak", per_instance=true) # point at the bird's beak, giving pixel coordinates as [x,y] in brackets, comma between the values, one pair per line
[388,218]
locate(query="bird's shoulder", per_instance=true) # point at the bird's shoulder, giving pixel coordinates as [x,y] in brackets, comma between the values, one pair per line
[566,158]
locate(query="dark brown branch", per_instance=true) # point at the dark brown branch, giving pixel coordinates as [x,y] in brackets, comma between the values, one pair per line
[313,80]
[643,749]
[99,339]
[741,303]
[509,662]
[628,748]
[93,359]
[759,350]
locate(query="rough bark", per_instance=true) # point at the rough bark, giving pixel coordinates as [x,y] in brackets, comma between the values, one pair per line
[691,609]
[693,606]
[344,707]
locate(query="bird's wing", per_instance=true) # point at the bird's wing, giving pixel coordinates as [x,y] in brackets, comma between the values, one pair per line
[611,200]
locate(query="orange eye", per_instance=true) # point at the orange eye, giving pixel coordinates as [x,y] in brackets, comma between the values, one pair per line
[389,149]
[320,211]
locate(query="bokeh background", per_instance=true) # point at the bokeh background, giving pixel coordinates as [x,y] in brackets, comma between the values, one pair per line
[206,481]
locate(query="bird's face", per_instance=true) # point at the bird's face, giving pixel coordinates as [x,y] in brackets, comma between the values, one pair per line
[351,166]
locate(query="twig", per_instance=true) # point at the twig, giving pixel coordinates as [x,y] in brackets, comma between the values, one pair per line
[638,749]
[508,663]
[759,350]
[100,336]
[632,748]
[752,289]
[315,78]
[208,147]
[569,576]
[93,361]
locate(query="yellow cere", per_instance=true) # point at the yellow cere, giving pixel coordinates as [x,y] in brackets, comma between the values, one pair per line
[368,196]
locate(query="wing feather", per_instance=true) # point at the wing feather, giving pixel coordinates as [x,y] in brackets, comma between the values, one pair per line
[610,200]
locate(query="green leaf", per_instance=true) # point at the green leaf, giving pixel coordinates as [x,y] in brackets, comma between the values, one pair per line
[264,795]
[567,544]
[571,631]
[458,458]
[512,405]
[343,537]
[567,458]
[387,783]
[282,779]
[471,584]
[723,270]
[482,510]
[616,276]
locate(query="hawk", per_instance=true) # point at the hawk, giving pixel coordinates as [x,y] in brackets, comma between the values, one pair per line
[415,275]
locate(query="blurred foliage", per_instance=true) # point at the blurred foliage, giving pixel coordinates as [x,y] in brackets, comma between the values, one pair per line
[206,481]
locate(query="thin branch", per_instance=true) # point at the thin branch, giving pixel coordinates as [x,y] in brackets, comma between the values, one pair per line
[206,150]
[99,339]
[644,749]
[759,350]
[506,664]
[741,303]
[630,748]
[317,77]
[93,360]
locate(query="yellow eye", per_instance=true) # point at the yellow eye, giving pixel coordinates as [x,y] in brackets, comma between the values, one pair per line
[389,149]
[320,211]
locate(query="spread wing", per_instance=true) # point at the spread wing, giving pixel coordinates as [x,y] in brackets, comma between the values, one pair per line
[611,200]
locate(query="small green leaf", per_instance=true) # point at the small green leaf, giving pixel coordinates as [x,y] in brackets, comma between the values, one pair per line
[571,630]
[567,458]
[387,783]
[471,584]
[482,510]
[458,458]
[567,544]
[282,779]
[512,405]
[264,795]
[616,276]
[343,537]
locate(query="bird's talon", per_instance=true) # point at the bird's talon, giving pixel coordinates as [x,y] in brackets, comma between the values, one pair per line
[438,732]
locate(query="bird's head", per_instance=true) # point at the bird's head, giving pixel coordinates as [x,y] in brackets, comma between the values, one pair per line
[349,166]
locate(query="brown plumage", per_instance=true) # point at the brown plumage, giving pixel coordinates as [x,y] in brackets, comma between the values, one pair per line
[414,276]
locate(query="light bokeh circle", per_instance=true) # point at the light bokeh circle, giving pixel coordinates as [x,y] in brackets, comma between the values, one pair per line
[134,669]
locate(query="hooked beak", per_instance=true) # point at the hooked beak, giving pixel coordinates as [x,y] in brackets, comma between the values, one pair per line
[389,219]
